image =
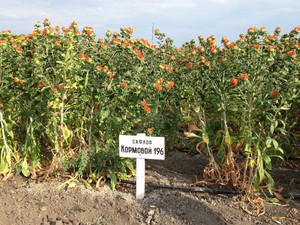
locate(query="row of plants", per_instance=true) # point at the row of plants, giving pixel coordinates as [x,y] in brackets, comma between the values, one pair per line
[67,96]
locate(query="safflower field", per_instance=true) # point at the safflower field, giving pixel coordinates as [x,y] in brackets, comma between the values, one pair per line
[67,96]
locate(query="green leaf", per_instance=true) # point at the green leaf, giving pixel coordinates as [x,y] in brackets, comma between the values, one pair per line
[205,138]
[275,143]
[60,62]
[272,128]
[227,139]
[268,142]
[247,150]
[104,114]
[271,182]
[25,168]
[267,161]
[66,132]
[113,180]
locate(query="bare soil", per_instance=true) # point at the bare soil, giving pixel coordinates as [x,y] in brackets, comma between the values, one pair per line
[31,202]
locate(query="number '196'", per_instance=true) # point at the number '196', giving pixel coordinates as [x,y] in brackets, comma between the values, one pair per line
[158,151]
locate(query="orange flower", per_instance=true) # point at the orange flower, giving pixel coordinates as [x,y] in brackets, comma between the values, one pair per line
[223,60]
[21,81]
[144,103]
[257,47]
[99,67]
[160,80]
[54,89]
[292,53]
[188,65]
[3,42]
[193,51]
[40,84]
[157,86]
[274,93]
[244,76]
[233,46]
[169,69]
[200,49]
[170,85]
[207,63]
[213,50]
[19,49]
[139,54]
[162,66]
[124,85]
[227,43]
[110,74]
[277,30]
[147,109]
[233,82]
[105,68]
[251,30]
[271,48]
[88,59]
[16,80]
[81,56]
[297,30]
[150,130]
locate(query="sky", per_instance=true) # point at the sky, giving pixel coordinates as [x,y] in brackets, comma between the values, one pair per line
[180,20]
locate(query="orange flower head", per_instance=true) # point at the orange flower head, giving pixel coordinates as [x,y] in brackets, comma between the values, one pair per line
[297,30]
[124,85]
[200,49]
[16,80]
[277,30]
[226,42]
[169,69]
[160,80]
[222,60]
[98,67]
[188,65]
[233,82]
[162,65]
[207,63]
[19,49]
[110,74]
[81,56]
[292,53]
[88,59]
[3,42]
[147,109]
[54,89]
[192,51]
[213,50]
[274,93]
[170,85]
[144,103]
[150,130]
[244,76]
[157,86]
[40,84]
[21,81]
[105,68]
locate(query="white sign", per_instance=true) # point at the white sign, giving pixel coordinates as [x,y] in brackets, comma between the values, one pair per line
[142,147]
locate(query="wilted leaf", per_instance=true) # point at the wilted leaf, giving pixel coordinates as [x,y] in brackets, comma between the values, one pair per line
[71,185]
[191,135]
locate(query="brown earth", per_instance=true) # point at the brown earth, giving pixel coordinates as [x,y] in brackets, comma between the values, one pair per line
[42,203]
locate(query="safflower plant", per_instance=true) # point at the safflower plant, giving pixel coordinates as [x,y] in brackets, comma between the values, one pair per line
[66,96]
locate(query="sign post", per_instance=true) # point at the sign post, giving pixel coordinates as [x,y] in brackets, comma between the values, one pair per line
[141,147]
